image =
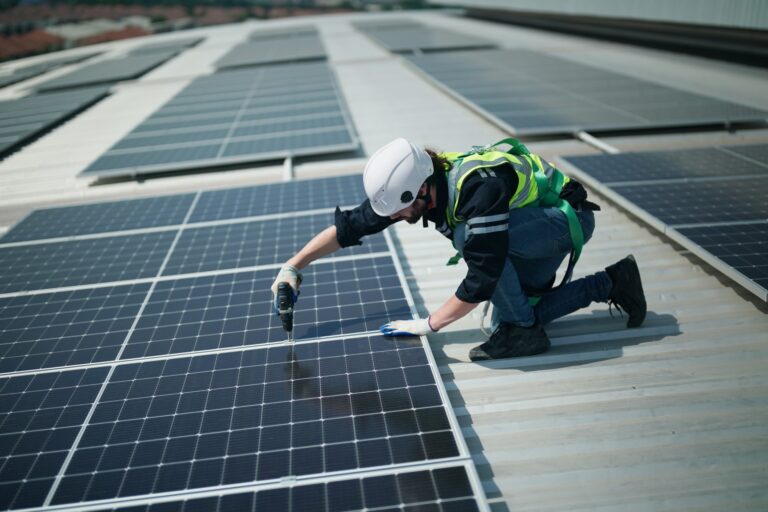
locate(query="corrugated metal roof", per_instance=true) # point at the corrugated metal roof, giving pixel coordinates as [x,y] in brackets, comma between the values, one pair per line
[670,416]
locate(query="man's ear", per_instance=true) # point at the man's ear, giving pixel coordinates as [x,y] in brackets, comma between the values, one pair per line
[423,189]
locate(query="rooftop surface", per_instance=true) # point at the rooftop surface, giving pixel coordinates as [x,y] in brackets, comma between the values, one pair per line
[669,416]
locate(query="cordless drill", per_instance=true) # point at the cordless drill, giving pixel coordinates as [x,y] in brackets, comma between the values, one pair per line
[285,307]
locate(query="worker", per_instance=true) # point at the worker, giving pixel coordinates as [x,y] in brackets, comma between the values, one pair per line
[489,203]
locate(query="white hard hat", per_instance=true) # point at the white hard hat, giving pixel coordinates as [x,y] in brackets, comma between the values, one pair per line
[394,174]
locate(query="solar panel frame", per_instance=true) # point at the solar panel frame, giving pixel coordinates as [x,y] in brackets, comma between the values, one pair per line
[532,102]
[267,47]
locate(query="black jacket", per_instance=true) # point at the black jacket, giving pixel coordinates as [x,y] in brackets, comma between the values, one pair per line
[483,195]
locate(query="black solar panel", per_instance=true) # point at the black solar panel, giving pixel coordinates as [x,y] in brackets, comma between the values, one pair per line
[41,417]
[533,93]
[79,262]
[26,118]
[714,197]
[101,218]
[247,244]
[279,197]
[67,328]
[237,116]
[437,490]
[108,71]
[259,415]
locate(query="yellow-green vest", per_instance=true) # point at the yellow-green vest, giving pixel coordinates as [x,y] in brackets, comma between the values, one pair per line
[538,182]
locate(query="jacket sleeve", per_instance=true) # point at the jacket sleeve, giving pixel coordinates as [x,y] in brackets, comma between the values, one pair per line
[485,206]
[352,225]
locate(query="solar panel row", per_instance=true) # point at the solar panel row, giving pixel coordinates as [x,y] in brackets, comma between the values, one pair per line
[713,197]
[237,116]
[527,92]
[168,46]
[340,401]
[33,70]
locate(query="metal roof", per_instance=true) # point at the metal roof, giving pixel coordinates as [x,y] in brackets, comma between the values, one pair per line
[670,416]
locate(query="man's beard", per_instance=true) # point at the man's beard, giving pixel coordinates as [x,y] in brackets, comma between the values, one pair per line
[422,210]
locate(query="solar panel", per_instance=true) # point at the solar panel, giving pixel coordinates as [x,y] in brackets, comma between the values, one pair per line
[279,197]
[79,262]
[23,119]
[235,310]
[187,395]
[661,166]
[259,415]
[711,200]
[101,217]
[743,247]
[41,417]
[254,243]
[168,46]
[108,71]
[445,489]
[269,47]
[404,36]
[32,70]
[234,117]
[527,92]
[66,328]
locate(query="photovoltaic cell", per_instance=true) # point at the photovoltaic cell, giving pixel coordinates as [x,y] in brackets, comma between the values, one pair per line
[41,417]
[253,243]
[66,328]
[237,116]
[742,247]
[101,218]
[436,490]
[259,416]
[291,196]
[535,93]
[79,262]
[236,310]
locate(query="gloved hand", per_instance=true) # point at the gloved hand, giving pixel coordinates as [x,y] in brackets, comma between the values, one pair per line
[417,327]
[291,275]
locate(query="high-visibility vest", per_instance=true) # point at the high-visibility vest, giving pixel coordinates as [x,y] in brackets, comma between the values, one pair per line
[538,184]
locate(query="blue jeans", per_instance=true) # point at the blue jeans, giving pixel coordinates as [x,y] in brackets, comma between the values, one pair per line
[539,241]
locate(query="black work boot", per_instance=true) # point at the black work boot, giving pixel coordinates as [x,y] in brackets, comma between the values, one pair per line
[627,292]
[510,340]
